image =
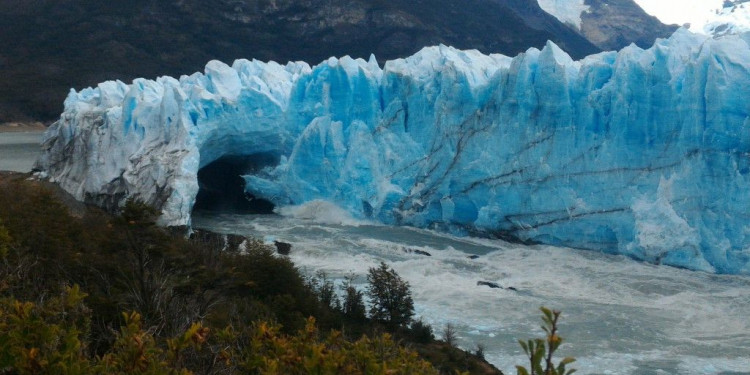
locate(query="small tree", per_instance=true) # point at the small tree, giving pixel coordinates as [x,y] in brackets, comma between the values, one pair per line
[325,290]
[450,335]
[480,351]
[353,306]
[540,351]
[390,296]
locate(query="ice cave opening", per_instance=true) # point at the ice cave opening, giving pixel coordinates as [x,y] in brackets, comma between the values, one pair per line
[222,188]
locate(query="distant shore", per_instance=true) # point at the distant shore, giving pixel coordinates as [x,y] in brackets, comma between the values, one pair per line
[20,127]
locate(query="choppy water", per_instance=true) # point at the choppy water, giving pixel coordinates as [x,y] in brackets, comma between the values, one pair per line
[18,151]
[619,316]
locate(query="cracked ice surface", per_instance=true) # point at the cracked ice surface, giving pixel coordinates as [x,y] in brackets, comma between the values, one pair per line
[637,152]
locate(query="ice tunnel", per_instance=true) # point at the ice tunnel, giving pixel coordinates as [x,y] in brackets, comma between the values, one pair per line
[222,188]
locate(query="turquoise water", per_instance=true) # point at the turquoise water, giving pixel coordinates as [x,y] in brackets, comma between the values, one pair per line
[18,151]
[619,316]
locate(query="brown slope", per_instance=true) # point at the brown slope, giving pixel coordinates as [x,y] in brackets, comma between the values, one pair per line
[614,24]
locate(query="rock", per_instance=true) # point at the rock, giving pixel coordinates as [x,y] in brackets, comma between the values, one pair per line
[283,248]
[495,285]
[473,257]
[415,251]
[490,284]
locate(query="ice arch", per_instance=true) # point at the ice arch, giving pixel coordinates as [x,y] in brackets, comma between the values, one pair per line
[637,152]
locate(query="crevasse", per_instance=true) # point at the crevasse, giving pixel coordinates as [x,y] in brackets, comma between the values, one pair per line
[636,152]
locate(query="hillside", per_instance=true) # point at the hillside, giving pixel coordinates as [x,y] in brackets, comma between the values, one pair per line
[85,292]
[51,46]
[614,24]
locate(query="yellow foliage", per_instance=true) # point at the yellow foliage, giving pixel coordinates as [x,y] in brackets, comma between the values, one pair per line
[269,352]
[48,339]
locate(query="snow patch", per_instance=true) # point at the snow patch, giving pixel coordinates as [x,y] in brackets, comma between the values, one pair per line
[567,11]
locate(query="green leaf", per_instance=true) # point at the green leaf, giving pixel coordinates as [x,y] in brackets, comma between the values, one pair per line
[522,371]
[524,346]
[547,312]
[567,360]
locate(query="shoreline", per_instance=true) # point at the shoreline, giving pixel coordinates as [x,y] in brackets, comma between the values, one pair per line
[22,127]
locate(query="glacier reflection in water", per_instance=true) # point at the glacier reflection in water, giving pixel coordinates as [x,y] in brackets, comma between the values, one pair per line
[619,316]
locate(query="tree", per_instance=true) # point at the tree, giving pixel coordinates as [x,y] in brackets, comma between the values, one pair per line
[353,306]
[450,335]
[390,297]
[325,290]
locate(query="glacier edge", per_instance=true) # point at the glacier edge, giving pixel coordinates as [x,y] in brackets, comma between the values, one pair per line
[638,152]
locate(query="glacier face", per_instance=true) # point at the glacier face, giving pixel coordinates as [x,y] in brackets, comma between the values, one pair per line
[636,152]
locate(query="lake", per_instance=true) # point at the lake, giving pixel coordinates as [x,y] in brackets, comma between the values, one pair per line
[18,151]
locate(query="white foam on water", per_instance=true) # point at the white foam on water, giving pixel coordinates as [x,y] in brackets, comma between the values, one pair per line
[321,212]
[620,316]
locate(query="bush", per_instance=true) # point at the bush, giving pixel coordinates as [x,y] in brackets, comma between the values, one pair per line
[44,338]
[270,352]
[50,338]
[421,332]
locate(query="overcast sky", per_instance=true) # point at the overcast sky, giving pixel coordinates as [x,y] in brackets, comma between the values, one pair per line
[679,11]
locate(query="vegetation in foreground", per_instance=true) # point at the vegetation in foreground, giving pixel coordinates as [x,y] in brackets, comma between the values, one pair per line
[82,292]
[541,351]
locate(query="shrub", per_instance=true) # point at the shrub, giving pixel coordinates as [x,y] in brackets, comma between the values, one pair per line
[50,338]
[136,351]
[421,332]
[270,352]
[44,338]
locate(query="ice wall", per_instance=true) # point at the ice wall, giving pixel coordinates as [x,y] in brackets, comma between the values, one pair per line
[637,152]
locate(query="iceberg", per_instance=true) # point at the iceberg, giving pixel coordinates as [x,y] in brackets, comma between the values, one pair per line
[638,152]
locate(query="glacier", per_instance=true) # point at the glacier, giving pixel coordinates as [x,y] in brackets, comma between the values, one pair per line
[638,152]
